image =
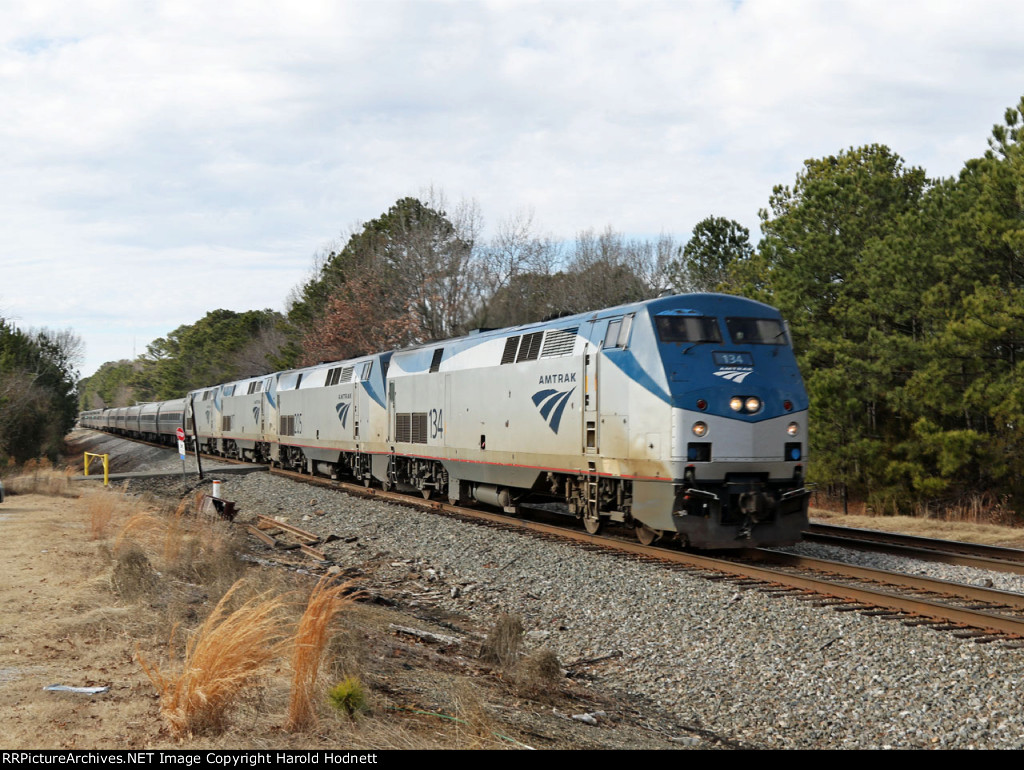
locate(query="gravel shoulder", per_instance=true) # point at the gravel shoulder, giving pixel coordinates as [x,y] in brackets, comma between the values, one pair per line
[701,662]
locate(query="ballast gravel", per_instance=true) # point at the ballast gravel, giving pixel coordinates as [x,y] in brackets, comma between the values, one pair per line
[761,671]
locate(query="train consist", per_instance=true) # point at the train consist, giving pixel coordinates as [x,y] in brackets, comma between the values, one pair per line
[684,417]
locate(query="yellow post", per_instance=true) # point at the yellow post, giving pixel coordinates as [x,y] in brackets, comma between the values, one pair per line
[106,465]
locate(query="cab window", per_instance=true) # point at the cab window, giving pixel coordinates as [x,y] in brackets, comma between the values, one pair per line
[617,335]
[756,331]
[688,328]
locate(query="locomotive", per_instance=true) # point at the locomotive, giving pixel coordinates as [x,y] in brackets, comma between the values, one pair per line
[683,417]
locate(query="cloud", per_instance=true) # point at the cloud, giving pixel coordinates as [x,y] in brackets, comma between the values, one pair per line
[165,159]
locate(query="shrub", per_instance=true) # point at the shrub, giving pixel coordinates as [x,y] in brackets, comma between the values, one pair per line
[538,673]
[348,697]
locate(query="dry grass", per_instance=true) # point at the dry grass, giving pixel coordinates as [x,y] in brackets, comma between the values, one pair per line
[41,478]
[143,527]
[223,657]
[133,576]
[174,534]
[475,726]
[324,603]
[100,507]
[199,550]
[503,643]
[538,674]
[212,555]
[971,508]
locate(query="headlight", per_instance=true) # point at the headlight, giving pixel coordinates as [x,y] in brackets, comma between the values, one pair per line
[700,429]
[792,429]
[745,404]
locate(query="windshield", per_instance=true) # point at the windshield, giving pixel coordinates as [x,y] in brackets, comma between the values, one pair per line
[756,331]
[680,328]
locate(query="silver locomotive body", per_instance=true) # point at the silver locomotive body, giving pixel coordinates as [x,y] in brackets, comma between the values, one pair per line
[684,417]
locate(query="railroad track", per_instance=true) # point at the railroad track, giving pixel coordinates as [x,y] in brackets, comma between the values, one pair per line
[974,612]
[989,557]
[978,612]
[968,611]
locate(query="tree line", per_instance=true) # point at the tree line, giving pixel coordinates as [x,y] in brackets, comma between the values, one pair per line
[905,296]
[38,396]
[906,299]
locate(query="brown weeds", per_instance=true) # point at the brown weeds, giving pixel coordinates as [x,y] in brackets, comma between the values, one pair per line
[174,534]
[39,478]
[224,656]
[475,725]
[538,674]
[502,645]
[162,534]
[310,640]
[142,526]
[100,508]
[133,576]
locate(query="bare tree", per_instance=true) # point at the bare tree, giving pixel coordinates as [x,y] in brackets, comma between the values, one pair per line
[605,269]
[514,252]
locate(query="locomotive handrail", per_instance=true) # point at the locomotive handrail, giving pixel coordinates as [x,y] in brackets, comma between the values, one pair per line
[795,492]
[702,493]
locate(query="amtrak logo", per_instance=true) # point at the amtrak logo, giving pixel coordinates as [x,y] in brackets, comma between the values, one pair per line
[734,375]
[552,404]
[342,410]
[255,414]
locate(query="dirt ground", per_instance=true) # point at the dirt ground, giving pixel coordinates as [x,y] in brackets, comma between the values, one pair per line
[59,624]
[66,619]
[966,531]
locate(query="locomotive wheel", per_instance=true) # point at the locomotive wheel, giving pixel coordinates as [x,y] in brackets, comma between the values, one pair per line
[592,523]
[645,534]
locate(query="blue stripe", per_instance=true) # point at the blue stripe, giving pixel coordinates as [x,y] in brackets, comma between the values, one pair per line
[556,418]
[626,362]
[372,393]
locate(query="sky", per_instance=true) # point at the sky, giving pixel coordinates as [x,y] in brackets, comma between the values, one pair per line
[164,159]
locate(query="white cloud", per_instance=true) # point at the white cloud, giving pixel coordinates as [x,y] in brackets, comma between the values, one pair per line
[207,151]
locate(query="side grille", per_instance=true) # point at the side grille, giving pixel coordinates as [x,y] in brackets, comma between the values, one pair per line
[559,342]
